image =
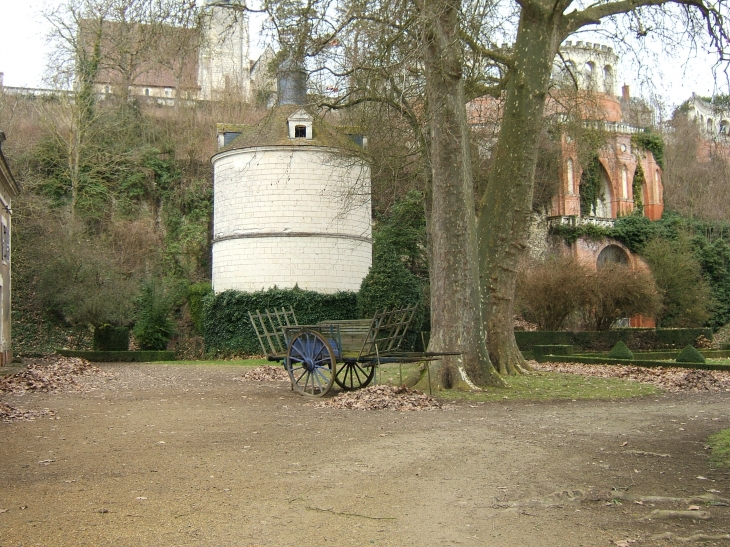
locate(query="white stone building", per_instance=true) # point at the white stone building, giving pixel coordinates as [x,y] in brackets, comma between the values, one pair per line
[9,188]
[207,63]
[291,206]
[712,120]
[593,66]
[223,62]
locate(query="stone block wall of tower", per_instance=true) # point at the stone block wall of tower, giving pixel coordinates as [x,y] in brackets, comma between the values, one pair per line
[290,215]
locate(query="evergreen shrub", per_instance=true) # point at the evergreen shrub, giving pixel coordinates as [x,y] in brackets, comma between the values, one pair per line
[227,328]
[620,351]
[196,295]
[154,327]
[389,284]
[690,355]
[110,338]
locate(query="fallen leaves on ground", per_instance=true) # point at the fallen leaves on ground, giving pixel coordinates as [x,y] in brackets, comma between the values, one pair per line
[49,374]
[11,414]
[667,378]
[266,373]
[382,398]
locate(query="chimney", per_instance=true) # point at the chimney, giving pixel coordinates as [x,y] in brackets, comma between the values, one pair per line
[625,95]
[292,83]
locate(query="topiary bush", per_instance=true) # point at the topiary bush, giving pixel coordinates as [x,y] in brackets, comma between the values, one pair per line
[690,355]
[110,338]
[620,351]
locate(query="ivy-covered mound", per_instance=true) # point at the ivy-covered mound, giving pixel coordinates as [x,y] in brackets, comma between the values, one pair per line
[620,351]
[227,327]
[690,355]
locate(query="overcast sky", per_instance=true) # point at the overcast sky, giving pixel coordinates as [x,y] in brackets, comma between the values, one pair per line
[23,57]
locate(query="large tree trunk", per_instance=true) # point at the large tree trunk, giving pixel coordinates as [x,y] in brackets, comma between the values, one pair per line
[456,323]
[504,208]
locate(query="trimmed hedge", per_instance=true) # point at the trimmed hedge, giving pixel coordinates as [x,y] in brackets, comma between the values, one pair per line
[636,362]
[111,338]
[119,356]
[539,351]
[227,328]
[638,339]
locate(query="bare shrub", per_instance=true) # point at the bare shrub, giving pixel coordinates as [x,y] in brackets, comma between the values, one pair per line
[615,292]
[551,290]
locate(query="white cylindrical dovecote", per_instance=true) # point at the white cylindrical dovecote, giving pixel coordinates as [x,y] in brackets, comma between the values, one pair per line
[291,207]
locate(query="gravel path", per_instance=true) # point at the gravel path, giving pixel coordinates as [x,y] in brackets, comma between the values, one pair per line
[188,455]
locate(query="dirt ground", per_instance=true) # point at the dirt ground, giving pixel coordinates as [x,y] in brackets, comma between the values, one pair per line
[186,455]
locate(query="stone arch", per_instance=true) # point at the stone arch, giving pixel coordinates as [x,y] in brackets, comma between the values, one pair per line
[596,191]
[725,127]
[710,125]
[612,254]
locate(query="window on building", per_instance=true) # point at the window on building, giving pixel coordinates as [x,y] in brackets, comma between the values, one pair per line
[624,182]
[300,132]
[147,91]
[571,185]
[608,79]
[589,72]
[5,243]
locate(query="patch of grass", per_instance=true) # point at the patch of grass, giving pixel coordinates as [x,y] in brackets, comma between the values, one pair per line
[553,385]
[720,443]
[391,373]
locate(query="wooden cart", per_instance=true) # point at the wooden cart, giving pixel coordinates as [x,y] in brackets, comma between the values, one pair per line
[342,352]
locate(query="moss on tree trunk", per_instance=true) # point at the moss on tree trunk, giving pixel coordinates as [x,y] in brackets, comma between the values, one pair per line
[505,206]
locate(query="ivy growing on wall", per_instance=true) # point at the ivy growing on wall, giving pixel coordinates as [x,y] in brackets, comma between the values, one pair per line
[653,142]
[590,187]
[638,189]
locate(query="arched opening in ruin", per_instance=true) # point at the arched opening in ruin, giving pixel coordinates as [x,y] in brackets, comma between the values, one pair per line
[595,191]
[608,79]
[612,254]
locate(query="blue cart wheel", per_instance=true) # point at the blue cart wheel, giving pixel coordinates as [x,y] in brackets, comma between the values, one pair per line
[310,363]
[354,375]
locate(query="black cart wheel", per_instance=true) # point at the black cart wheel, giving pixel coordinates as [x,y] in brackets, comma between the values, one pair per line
[354,376]
[310,363]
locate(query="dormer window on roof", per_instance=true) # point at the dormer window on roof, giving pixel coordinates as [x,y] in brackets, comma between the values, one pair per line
[300,125]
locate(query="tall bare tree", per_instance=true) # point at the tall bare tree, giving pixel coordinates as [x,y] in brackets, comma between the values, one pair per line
[459,59]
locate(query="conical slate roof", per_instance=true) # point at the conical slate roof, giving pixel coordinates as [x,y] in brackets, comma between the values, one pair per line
[273,130]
